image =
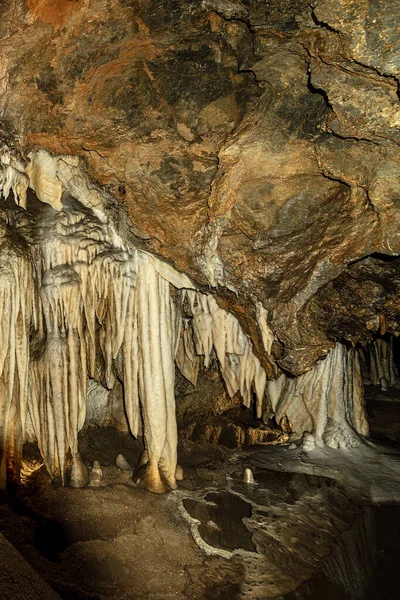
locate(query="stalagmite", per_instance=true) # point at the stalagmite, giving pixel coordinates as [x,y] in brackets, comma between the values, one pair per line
[179,473]
[78,472]
[122,463]
[248,476]
[96,475]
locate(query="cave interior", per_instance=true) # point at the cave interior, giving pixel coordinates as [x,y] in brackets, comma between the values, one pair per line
[199,299]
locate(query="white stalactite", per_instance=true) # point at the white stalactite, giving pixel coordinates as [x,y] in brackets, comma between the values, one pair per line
[156,337]
[266,332]
[16,292]
[42,173]
[326,403]
[215,328]
[12,177]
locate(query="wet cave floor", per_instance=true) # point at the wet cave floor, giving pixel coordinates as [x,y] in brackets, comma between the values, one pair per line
[318,525]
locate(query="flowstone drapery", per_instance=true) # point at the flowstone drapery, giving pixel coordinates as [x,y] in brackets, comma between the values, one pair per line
[76,299]
[326,404]
[16,306]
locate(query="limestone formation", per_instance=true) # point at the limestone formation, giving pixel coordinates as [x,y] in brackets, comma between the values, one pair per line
[122,463]
[326,404]
[253,144]
[96,475]
[248,476]
[378,363]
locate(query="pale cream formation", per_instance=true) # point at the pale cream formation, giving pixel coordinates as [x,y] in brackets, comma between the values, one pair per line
[16,296]
[326,404]
[214,329]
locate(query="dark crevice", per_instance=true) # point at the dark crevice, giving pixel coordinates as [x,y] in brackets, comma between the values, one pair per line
[234,19]
[323,24]
[372,206]
[319,91]
[388,258]
[392,78]
[385,257]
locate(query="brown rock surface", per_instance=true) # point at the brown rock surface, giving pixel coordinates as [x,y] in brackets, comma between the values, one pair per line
[254,144]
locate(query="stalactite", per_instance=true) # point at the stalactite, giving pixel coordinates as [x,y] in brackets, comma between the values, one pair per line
[58,398]
[42,172]
[13,178]
[326,403]
[156,333]
[94,301]
[215,328]
[16,292]
[187,360]
[266,333]
[94,293]
[377,363]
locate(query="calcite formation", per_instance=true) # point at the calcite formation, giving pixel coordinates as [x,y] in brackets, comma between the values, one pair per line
[327,403]
[82,290]
[254,144]
[16,308]
[378,364]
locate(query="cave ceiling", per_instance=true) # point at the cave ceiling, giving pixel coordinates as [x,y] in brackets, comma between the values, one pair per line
[254,145]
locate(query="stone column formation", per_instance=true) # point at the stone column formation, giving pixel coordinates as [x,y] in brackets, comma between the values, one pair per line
[326,403]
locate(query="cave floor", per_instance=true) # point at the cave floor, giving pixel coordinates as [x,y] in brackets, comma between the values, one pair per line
[118,541]
[371,472]
[114,541]
[216,537]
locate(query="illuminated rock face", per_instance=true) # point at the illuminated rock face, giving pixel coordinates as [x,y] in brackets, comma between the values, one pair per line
[253,144]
